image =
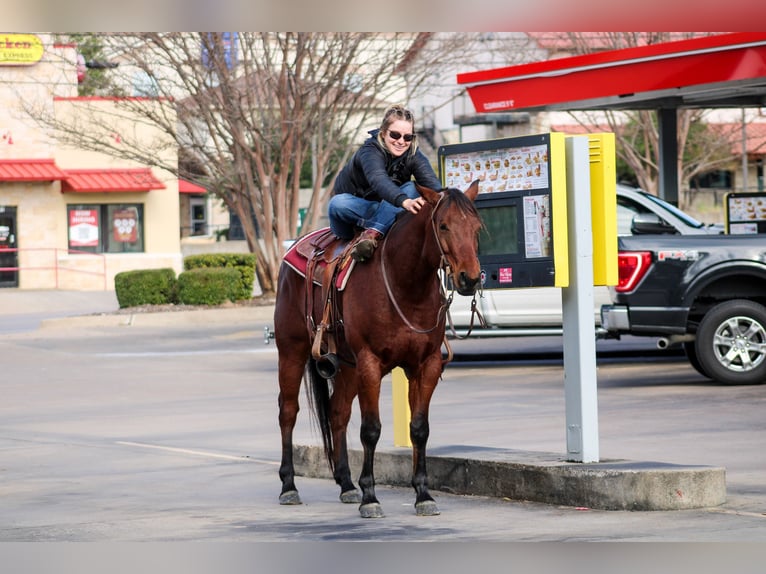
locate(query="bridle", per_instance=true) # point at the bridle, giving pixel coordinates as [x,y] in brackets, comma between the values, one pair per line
[446,294]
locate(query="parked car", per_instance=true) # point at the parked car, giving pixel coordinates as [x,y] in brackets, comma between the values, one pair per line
[538,311]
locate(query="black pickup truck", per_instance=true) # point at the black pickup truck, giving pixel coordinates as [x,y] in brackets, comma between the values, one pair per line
[705,292]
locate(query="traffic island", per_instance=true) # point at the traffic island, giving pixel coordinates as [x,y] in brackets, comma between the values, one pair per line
[540,477]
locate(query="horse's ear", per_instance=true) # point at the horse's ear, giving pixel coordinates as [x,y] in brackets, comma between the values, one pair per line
[473,190]
[428,194]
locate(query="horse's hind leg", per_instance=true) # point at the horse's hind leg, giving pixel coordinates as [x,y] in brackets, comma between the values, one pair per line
[342,400]
[290,376]
[349,494]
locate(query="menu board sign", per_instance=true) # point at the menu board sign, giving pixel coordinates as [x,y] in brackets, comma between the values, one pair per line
[509,169]
[745,213]
[519,193]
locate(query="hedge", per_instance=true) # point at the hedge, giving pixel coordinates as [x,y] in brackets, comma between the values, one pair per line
[208,286]
[145,287]
[243,263]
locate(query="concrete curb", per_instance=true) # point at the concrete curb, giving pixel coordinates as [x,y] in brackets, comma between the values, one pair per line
[541,477]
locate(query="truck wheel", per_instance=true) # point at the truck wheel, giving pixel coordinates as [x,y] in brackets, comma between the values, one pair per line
[731,343]
[690,348]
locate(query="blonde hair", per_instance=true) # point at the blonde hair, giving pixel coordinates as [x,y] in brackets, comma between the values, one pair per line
[394,113]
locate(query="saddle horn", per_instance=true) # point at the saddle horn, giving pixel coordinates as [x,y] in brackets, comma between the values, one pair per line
[327,365]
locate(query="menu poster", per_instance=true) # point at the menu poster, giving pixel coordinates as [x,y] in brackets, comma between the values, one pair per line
[125,225]
[83,228]
[537,226]
[746,213]
[509,169]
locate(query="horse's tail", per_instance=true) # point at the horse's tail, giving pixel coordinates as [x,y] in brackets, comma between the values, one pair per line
[318,391]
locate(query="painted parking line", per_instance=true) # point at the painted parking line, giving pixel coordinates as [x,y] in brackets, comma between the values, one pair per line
[208,454]
[264,350]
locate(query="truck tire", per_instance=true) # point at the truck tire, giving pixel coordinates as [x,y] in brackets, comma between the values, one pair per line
[690,348]
[731,343]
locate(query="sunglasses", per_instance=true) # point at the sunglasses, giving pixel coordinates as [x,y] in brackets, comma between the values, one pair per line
[396,135]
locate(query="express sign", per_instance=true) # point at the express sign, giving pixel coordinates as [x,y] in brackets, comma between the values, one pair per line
[20,49]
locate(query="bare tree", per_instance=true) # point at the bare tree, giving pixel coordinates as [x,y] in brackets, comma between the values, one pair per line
[249,111]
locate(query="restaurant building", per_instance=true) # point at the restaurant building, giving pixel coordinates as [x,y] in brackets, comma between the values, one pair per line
[73,218]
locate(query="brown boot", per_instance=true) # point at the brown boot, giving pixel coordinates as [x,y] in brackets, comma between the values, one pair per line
[365,245]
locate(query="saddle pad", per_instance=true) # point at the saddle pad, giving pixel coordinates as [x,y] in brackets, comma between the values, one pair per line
[297,257]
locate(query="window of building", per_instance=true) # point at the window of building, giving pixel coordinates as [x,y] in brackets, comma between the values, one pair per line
[716,179]
[112,228]
[198,216]
[144,85]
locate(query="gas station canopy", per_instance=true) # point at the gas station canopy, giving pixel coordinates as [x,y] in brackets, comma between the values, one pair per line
[721,71]
[726,70]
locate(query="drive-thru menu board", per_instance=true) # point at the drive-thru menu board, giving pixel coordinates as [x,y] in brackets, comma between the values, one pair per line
[522,183]
[510,169]
[745,213]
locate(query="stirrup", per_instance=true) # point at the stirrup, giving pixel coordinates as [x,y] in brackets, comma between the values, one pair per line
[365,245]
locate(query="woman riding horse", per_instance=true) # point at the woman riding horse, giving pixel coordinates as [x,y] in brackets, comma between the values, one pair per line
[375,185]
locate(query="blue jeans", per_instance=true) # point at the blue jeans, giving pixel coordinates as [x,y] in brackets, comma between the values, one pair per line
[347,212]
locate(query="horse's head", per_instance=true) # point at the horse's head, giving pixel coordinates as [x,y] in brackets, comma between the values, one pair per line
[456,224]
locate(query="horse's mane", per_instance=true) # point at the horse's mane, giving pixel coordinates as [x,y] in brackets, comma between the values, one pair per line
[452,194]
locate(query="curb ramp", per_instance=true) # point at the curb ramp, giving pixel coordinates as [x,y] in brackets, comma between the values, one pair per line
[539,477]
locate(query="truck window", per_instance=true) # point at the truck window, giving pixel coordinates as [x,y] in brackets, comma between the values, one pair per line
[626,210]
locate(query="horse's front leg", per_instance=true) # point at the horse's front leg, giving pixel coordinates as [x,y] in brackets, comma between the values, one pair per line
[422,386]
[369,394]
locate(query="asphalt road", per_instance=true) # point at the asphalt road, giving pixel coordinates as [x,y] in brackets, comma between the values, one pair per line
[166,430]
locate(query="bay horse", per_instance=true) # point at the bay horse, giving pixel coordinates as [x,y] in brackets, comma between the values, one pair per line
[393,310]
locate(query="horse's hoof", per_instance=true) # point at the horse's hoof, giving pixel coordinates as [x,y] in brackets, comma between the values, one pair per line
[371,510]
[350,497]
[426,508]
[290,497]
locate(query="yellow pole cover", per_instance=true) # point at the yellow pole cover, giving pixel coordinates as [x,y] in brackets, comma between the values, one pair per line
[603,205]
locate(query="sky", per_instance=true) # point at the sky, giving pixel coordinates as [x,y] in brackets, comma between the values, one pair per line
[390,15]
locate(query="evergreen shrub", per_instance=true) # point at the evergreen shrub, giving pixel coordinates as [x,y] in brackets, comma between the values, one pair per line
[243,263]
[145,287]
[208,286]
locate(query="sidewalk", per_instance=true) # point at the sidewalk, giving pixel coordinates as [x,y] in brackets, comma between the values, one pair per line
[25,310]
[56,303]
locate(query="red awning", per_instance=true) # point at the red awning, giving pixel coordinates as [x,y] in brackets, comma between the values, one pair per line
[725,69]
[189,187]
[30,170]
[106,180]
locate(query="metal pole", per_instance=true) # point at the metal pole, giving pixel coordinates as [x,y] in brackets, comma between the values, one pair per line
[580,382]
[744,151]
[402,416]
[667,122]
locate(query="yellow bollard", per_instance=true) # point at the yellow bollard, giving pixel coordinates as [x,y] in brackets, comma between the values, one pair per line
[400,391]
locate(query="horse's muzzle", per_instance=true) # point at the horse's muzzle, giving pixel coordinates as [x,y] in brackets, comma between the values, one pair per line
[466,285]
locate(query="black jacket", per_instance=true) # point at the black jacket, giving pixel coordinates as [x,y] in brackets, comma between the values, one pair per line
[374,174]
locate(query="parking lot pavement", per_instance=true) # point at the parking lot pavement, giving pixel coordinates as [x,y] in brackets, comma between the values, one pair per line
[166,431]
[164,428]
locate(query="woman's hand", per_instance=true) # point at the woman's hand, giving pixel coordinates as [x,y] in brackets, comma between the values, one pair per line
[413,205]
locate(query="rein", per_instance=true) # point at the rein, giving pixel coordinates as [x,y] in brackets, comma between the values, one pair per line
[443,266]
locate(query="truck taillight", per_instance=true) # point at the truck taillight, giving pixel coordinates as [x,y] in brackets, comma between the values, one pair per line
[631,268]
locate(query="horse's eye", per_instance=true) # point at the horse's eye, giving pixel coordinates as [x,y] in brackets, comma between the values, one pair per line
[443,227]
